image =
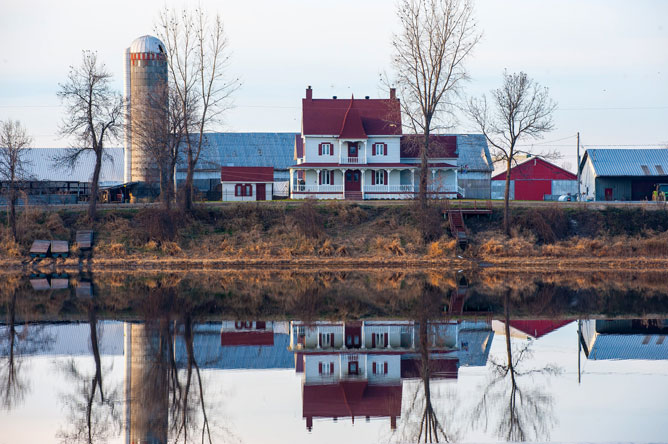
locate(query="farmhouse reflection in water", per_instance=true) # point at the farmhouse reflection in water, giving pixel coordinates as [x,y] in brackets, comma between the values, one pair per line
[350,370]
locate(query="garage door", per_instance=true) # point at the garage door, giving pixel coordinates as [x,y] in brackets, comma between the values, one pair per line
[532,189]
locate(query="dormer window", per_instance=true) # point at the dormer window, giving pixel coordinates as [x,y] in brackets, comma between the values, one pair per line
[379,149]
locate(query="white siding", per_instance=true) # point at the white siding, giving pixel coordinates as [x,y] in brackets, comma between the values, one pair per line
[311,150]
[229,188]
[393,153]
[588,181]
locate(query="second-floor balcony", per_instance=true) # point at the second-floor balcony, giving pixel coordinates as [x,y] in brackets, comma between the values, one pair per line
[353,160]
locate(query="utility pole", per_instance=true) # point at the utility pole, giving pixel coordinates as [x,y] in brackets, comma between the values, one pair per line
[579,195]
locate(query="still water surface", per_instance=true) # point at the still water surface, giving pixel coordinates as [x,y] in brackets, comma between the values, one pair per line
[168,372]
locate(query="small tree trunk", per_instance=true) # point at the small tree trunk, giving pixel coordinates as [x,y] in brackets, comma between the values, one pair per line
[188,186]
[95,186]
[424,169]
[506,199]
[12,207]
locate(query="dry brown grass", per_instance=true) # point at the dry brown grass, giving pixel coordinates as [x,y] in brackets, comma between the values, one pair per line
[8,246]
[392,246]
[441,248]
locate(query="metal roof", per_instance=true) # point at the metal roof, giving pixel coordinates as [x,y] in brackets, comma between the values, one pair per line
[473,152]
[41,165]
[247,149]
[628,162]
[634,346]
[147,43]
[210,354]
[71,339]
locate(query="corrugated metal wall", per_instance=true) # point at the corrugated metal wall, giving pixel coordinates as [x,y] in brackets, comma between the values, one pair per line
[499,189]
[559,187]
[565,187]
[621,188]
[476,185]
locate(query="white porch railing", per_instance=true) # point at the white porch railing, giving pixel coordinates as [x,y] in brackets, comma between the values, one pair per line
[444,189]
[388,188]
[352,160]
[318,188]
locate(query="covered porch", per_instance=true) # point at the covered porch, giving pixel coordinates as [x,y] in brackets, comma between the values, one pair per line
[370,182]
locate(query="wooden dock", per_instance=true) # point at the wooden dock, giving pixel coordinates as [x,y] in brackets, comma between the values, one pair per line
[40,248]
[84,239]
[60,248]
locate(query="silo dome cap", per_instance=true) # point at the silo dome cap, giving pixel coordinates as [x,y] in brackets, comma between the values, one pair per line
[147,43]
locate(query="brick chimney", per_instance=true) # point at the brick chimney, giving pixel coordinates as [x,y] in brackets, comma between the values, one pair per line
[309,93]
[393,93]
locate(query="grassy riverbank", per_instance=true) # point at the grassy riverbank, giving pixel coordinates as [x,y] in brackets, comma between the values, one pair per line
[352,235]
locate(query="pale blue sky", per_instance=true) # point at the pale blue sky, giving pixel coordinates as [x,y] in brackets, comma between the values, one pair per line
[605,61]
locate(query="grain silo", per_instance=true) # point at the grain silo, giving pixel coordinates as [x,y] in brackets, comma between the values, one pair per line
[146,106]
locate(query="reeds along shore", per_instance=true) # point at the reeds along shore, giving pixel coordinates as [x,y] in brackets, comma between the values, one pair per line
[340,230]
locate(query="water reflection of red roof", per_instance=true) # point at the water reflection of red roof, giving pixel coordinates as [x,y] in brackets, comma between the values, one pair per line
[538,328]
[439,368]
[246,338]
[351,399]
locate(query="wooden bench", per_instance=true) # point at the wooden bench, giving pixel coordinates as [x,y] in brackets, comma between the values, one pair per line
[40,248]
[84,239]
[60,248]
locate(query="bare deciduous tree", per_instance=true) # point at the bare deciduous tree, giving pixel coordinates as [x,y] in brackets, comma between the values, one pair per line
[520,107]
[524,415]
[159,130]
[14,143]
[435,38]
[94,113]
[198,55]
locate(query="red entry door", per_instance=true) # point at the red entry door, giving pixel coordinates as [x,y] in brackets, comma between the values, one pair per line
[261,190]
[352,149]
[353,180]
[608,194]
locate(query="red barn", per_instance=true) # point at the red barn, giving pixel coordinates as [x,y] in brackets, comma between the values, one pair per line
[535,179]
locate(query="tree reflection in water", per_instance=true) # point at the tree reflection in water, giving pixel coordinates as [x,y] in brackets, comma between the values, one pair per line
[422,422]
[92,410]
[17,339]
[166,397]
[525,414]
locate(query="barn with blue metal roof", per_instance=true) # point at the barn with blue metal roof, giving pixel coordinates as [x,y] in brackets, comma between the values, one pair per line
[622,174]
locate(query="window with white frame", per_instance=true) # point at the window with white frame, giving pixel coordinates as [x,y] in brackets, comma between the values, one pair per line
[326,368]
[326,149]
[379,368]
[379,149]
[326,177]
[380,177]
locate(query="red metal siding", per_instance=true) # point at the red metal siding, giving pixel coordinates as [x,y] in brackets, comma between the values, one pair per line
[532,189]
[537,168]
[247,174]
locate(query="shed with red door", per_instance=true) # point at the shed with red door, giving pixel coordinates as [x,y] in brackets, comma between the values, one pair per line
[535,179]
[247,183]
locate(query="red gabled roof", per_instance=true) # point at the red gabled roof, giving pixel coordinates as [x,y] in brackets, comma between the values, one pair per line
[440,147]
[246,174]
[299,146]
[357,166]
[351,398]
[352,127]
[246,338]
[538,328]
[536,168]
[378,117]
